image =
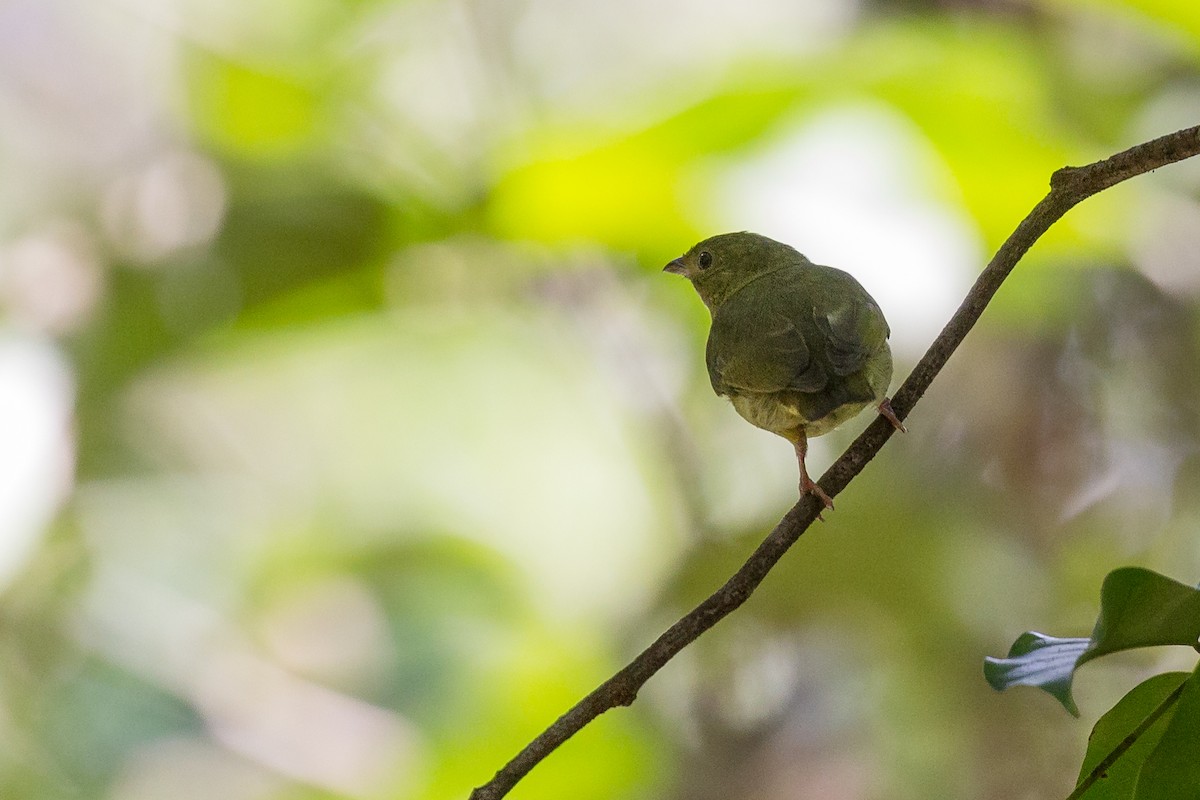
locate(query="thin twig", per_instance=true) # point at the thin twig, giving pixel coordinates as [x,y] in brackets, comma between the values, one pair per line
[1068,186]
[1101,769]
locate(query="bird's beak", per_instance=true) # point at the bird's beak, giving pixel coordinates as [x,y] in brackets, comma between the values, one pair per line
[677,267]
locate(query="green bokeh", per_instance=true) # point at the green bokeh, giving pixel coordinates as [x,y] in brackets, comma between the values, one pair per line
[396,407]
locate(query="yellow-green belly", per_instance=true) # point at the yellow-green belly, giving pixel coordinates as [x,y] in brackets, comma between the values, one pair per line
[788,413]
[780,414]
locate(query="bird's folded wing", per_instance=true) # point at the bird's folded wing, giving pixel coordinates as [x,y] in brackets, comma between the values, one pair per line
[852,331]
[761,350]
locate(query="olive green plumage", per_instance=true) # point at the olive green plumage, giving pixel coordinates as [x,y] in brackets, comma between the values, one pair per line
[798,348]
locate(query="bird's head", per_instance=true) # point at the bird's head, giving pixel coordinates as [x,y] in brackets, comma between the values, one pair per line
[720,265]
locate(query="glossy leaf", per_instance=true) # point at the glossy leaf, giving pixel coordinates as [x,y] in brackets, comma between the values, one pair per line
[1138,608]
[1172,771]
[1120,722]
[1038,660]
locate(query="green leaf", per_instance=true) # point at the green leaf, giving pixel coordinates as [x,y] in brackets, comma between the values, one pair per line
[1138,608]
[1172,771]
[1132,714]
[1038,660]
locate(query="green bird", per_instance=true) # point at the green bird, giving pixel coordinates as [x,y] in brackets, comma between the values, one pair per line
[798,348]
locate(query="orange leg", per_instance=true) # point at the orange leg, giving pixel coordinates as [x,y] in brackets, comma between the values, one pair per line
[885,410]
[807,485]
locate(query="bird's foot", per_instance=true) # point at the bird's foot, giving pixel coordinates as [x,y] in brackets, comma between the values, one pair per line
[885,411]
[808,486]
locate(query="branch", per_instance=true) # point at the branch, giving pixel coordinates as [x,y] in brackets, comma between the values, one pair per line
[1068,187]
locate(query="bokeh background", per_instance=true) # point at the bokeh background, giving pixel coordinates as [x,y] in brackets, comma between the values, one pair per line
[349,431]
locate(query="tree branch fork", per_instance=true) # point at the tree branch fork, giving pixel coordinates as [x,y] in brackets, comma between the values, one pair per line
[1068,187]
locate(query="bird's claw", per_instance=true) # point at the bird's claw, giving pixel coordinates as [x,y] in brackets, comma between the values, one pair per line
[808,486]
[885,410]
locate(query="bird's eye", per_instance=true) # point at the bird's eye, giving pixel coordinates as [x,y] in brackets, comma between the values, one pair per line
[704,259]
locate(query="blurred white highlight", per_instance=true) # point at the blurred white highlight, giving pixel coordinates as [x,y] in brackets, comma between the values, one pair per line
[856,188]
[176,202]
[50,280]
[36,445]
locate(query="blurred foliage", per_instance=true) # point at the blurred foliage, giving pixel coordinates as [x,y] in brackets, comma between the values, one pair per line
[350,432]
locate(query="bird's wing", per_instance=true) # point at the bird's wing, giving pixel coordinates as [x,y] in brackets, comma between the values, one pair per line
[850,324]
[758,344]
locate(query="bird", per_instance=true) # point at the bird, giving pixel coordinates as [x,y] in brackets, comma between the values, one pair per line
[798,348]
